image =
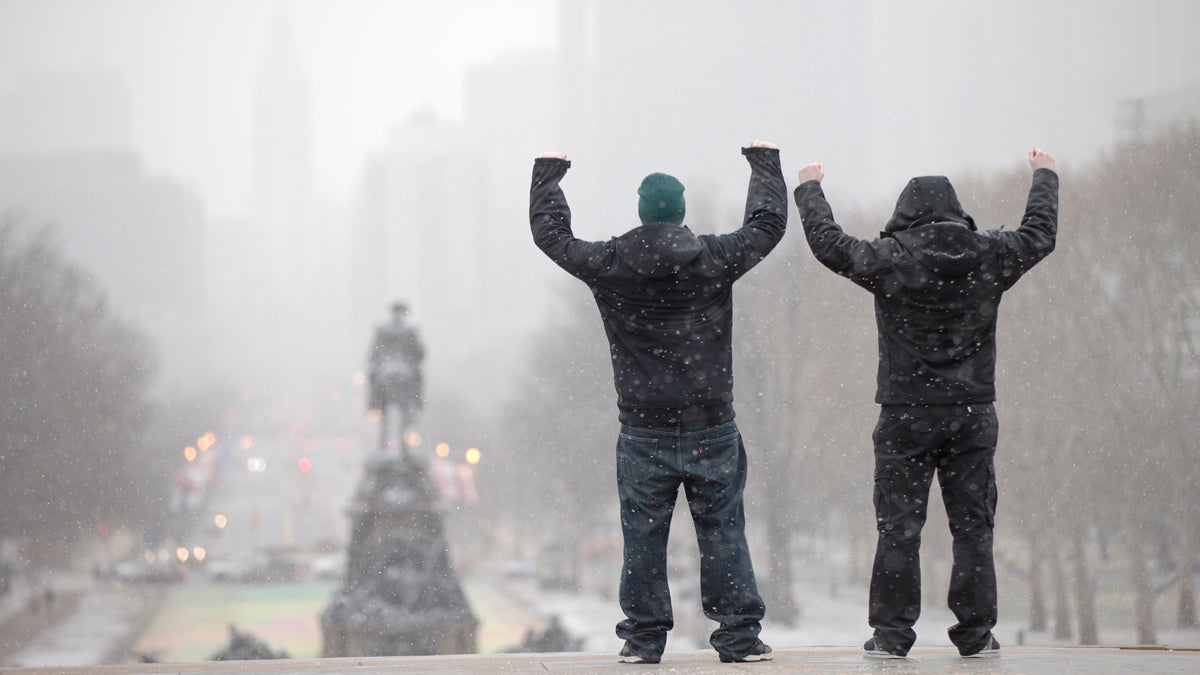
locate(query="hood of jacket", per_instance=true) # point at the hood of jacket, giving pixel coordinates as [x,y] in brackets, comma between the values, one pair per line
[658,250]
[947,248]
[927,199]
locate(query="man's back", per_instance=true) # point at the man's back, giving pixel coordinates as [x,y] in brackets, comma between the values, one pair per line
[936,308]
[937,287]
[664,295]
[667,308]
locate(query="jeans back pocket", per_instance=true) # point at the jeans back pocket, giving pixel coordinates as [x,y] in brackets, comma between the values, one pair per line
[718,458]
[637,458]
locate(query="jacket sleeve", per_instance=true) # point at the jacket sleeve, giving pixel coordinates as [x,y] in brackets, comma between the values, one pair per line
[861,261]
[765,219]
[550,222]
[1024,247]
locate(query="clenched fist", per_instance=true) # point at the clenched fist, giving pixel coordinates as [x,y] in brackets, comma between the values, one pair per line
[814,171]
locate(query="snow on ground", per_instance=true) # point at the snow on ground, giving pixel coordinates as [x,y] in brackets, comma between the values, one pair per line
[829,616]
[826,619]
[106,617]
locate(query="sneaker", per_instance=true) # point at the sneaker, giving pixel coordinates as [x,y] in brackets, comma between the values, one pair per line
[873,650]
[990,650]
[629,656]
[760,652]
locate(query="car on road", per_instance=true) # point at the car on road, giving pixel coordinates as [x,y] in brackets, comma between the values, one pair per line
[254,567]
[141,571]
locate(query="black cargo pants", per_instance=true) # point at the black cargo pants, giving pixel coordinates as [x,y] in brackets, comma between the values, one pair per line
[911,444]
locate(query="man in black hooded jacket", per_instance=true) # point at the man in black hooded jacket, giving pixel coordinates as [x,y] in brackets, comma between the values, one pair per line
[665,297]
[937,283]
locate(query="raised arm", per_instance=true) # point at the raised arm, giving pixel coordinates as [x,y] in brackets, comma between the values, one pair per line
[857,259]
[550,220]
[1024,247]
[765,219]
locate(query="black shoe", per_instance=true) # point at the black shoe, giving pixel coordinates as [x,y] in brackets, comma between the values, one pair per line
[760,652]
[990,651]
[873,650]
[629,656]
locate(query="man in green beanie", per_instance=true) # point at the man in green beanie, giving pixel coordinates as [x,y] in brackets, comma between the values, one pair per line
[665,298]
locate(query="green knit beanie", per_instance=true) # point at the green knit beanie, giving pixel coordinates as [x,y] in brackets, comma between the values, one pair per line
[661,199]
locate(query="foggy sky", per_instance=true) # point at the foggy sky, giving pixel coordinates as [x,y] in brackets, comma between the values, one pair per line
[878,91]
[191,67]
[392,158]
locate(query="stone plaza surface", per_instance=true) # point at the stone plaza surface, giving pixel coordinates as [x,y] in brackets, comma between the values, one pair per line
[1032,660]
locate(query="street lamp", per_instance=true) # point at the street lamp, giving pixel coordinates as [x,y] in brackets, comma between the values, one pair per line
[206,441]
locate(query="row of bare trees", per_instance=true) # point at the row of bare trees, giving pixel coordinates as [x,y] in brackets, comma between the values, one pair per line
[1098,387]
[74,381]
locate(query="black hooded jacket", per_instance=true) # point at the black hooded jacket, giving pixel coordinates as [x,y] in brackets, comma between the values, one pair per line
[937,283]
[665,295]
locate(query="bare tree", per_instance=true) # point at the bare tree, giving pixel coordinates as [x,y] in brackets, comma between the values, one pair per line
[555,456]
[74,379]
[1144,207]
[1111,347]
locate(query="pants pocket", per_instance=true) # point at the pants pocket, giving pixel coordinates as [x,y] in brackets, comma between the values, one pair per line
[637,458]
[884,513]
[993,494]
[718,458]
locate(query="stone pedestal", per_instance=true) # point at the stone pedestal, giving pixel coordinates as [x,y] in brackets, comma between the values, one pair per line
[400,596]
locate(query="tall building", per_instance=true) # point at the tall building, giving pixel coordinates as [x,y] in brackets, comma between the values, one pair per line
[419,238]
[283,186]
[277,278]
[67,162]
[511,113]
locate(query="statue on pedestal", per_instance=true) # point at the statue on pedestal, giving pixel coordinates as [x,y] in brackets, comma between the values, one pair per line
[401,594]
[394,374]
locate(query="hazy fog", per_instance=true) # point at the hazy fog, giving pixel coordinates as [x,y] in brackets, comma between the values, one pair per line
[292,136]
[254,182]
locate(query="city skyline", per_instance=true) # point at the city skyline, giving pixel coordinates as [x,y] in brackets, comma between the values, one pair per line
[624,88]
[189,72]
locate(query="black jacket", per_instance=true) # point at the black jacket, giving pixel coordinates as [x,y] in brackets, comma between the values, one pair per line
[937,284]
[665,295]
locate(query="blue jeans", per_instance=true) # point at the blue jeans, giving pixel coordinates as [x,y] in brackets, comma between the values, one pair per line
[710,464]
